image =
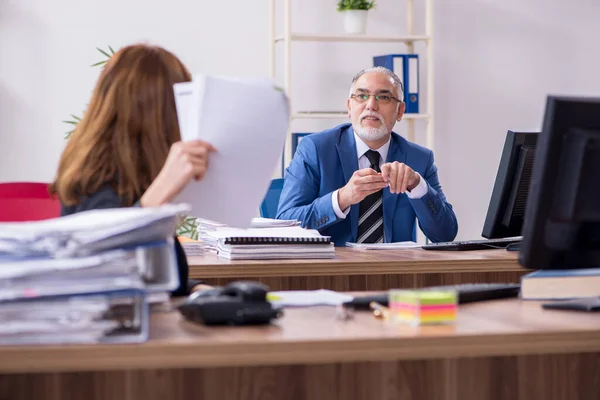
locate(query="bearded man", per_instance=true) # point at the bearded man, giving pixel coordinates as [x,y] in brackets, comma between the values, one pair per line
[362,182]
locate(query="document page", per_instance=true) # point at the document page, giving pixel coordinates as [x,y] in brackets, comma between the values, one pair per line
[247,122]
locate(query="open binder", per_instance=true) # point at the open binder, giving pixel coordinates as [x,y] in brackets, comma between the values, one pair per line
[89,232]
[117,316]
[152,266]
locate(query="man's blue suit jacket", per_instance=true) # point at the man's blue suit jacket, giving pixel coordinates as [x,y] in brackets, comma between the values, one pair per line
[325,161]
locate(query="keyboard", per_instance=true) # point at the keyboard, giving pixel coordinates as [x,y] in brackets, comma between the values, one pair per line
[480,244]
[467,293]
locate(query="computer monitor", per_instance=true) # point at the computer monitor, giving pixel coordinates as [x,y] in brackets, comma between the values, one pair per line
[509,196]
[562,219]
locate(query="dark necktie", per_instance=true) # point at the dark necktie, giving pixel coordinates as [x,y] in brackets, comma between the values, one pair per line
[370,219]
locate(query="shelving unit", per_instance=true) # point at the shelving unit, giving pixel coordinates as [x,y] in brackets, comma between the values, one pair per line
[409,40]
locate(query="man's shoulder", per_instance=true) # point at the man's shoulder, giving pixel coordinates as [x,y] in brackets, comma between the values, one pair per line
[411,148]
[328,136]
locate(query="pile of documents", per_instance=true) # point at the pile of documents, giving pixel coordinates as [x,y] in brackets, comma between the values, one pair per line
[210,231]
[87,277]
[288,242]
[192,247]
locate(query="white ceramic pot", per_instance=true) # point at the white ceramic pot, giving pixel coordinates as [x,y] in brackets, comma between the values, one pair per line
[355,21]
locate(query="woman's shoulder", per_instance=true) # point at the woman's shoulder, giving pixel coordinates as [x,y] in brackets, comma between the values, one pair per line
[105,197]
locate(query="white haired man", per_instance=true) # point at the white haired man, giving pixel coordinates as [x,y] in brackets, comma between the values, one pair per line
[361,182]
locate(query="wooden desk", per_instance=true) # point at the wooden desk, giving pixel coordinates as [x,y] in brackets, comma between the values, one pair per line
[356,270]
[500,350]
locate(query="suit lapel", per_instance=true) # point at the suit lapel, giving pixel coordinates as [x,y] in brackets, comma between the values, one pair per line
[346,148]
[390,200]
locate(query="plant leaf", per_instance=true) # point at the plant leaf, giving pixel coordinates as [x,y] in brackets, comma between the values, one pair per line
[103,52]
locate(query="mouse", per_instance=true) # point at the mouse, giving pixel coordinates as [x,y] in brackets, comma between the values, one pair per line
[247,291]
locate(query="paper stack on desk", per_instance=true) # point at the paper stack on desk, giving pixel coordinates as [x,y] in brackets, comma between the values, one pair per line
[192,247]
[87,277]
[292,242]
[208,231]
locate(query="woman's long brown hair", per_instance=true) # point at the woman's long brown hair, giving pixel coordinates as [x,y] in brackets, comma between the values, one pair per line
[127,130]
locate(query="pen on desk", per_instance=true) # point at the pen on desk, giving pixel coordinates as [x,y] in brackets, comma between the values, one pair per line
[379,311]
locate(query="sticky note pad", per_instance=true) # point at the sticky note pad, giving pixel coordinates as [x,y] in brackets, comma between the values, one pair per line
[422,307]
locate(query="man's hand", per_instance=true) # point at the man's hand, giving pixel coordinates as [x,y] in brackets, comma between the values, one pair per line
[362,183]
[400,176]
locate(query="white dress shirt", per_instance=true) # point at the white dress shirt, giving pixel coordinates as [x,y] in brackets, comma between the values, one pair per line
[363,162]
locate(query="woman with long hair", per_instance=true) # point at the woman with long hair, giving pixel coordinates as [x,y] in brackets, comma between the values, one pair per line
[127,149]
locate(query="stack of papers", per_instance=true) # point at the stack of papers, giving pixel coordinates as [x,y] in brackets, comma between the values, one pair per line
[272,223]
[292,242]
[87,277]
[89,232]
[209,232]
[192,247]
[107,317]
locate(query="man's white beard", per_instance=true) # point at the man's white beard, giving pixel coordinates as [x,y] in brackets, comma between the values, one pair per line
[370,134]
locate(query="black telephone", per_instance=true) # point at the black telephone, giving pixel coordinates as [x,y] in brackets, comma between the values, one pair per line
[237,303]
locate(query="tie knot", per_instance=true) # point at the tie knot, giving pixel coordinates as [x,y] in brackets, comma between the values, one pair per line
[373,157]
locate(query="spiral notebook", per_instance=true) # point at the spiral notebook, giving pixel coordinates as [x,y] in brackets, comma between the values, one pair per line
[270,236]
[292,242]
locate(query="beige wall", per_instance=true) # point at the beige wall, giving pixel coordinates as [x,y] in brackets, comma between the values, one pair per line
[495,62]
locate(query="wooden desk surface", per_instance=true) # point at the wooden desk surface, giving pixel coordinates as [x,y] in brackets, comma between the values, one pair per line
[360,262]
[314,335]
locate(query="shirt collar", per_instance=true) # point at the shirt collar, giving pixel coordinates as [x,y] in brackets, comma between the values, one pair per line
[362,148]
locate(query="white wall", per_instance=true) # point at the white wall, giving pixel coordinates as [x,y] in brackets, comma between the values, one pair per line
[495,62]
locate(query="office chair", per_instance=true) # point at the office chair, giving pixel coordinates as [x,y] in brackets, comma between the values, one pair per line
[268,208]
[29,190]
[27,201]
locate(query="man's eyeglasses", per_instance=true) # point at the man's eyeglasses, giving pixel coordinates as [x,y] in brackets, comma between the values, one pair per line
[380,98]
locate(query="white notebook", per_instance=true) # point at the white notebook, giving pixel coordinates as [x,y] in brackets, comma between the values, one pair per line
[287,235]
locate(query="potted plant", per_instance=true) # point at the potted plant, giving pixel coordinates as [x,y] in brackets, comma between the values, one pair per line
[355,14]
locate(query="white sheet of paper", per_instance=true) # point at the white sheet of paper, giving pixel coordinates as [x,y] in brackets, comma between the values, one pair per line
[383,246]
[278,232]
[308,298]
[247,121]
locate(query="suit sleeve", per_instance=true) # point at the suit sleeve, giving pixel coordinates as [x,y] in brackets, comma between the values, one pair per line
[434,213]
[108,198]
[299,198]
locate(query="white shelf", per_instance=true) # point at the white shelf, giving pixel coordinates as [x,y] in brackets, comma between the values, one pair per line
[285,39]
[343,114]
[300,37]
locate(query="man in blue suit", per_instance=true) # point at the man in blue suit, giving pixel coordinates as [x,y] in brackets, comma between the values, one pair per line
[363,183]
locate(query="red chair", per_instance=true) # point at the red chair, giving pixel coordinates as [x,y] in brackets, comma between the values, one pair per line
[27,201]
[28,190]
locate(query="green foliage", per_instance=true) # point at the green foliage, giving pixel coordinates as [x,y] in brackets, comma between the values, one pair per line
[73,121]
[74,118]
[189,228]
[344,5]
[108,54]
